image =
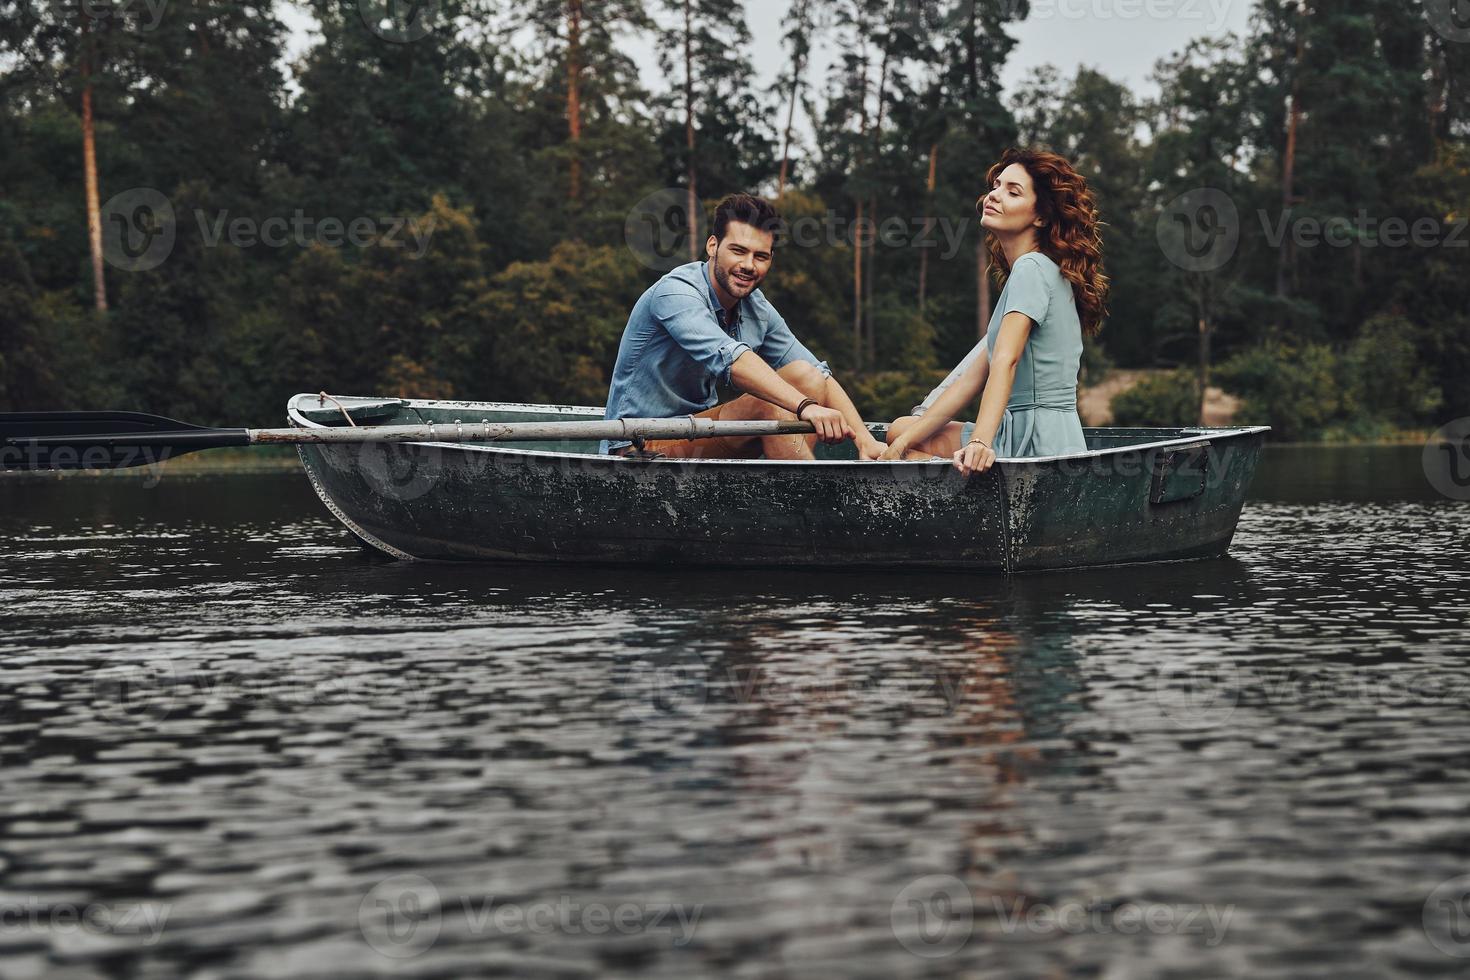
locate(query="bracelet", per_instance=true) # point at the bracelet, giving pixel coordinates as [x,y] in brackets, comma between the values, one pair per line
[981,442]
[804,403]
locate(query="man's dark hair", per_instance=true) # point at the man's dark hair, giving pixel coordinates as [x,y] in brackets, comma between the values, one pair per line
[749,209]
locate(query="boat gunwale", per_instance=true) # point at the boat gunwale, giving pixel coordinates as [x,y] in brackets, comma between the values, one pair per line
[1195,436]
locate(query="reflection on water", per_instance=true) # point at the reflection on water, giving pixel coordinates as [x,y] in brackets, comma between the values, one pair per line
[232,747]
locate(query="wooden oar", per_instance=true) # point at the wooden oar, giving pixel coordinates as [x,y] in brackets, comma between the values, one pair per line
[116,440]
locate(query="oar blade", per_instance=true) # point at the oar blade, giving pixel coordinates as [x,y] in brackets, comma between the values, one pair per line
[101,440]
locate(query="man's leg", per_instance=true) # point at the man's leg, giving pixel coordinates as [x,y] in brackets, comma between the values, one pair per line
[806,379]
[721,447]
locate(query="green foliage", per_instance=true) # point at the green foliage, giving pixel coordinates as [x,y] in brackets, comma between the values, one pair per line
[1384,377]
[1096,364]
[556,324]
[1167,399]
[1295,389]
[886,395]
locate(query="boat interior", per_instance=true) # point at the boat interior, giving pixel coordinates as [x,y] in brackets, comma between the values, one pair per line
[344,410]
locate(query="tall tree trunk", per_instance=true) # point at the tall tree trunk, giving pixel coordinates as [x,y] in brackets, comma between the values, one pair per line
[857,289]
[928,223]
[790,119]
[982,287]
[857,233]
[1203,372]
[574,102]
[1286,257]
[870,343]
[89,168]
[786,139]
[694,244]
[872,340]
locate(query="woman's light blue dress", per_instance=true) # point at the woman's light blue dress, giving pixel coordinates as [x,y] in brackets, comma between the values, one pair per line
[1041,417]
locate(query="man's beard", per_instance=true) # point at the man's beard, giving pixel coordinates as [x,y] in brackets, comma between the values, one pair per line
[731,285]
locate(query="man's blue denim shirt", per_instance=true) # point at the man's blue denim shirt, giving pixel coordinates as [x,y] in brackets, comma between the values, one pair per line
[674,349]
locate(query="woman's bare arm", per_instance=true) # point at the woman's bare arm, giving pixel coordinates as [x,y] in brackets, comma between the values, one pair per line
[949,404]
[978,456]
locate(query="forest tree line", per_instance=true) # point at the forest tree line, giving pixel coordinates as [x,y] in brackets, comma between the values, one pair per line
[435,199]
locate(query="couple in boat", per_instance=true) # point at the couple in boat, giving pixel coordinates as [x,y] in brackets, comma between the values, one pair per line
[706,325]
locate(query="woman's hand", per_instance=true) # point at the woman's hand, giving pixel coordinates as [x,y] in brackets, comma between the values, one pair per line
[870,449]
[977,457]
[897,451]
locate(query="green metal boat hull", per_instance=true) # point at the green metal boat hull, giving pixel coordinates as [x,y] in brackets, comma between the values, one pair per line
[1137,495]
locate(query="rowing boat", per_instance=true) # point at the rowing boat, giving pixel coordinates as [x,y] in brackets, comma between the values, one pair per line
[1136,495]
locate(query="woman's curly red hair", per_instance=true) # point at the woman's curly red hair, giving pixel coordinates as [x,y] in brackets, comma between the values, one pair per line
[1069,236]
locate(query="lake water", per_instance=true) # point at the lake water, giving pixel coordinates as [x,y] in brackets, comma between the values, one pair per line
[231,746]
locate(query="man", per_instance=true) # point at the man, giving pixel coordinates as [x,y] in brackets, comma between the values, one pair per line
[705,324]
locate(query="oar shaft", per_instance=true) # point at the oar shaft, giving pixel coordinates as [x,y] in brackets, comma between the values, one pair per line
[485,431]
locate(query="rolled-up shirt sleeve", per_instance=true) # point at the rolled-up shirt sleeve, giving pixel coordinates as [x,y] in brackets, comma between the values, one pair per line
[686,315]
[780,346]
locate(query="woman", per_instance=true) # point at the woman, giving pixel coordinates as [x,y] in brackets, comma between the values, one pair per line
[1044,239]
